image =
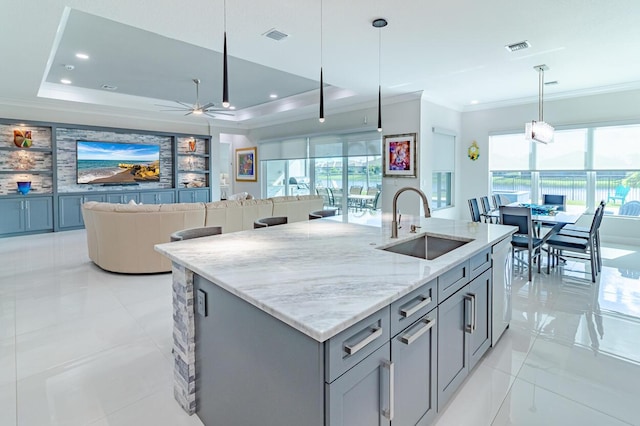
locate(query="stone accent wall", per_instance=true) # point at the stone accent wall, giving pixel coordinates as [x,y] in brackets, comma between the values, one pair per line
[184,346]
[66,157]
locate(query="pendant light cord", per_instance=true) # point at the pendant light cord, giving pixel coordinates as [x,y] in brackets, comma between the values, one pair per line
[540,93]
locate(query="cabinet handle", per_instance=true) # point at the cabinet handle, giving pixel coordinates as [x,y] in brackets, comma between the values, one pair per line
[474,313]
[424,301]
[469,312]
[389,412]
[352,349]
[425,325]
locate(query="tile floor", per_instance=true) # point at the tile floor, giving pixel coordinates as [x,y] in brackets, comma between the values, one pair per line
[79,346]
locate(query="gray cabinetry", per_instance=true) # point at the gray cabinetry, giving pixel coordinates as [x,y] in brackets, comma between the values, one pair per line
[29,214]
[193,195]
[70,209]
[158,197]
[414,357]
[361,396]
[123,198]
[464,333]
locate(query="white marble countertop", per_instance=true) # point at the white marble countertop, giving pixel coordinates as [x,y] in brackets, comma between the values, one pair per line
[322,276]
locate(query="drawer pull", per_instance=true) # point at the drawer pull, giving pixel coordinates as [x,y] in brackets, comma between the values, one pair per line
[470,323]
[408,312]
[409,338]
[352,349]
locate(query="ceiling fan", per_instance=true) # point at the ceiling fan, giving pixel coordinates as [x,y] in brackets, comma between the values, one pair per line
[209,109]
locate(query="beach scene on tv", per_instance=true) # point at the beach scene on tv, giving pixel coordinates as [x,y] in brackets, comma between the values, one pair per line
[109,162]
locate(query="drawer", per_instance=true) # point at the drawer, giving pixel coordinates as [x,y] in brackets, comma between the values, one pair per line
[453,280]
[480,262]
[352,345]
[412,306]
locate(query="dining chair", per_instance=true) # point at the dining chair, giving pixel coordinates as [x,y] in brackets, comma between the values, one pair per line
[555,200]
[584,232]
[372,191]
[497,201]
[486,209]
[270,221]
[558,245]
[375,203]
[523,239]
[474,210]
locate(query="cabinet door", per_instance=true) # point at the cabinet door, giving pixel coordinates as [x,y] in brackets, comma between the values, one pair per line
[122,198]
[39,214]
[166,197]
[361,395]
[453,342]
[149,198]
[186,196]
[413,353]
[480,337]
[202,196]
[69,208]
[12,214]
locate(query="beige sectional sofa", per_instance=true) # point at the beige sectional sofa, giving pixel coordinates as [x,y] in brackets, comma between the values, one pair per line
[121,237]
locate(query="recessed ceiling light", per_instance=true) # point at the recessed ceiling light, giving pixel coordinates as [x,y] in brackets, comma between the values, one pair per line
[65,81]
[82,56]
[474,102]
[273,96]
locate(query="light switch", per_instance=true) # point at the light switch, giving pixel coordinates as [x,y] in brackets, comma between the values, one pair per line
[201,303]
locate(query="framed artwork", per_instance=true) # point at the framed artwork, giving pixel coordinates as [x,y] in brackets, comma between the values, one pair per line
[246,164]
[399,156]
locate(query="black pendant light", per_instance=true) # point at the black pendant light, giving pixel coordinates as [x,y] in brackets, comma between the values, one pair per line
[379,23]
[225,79]
[321,116]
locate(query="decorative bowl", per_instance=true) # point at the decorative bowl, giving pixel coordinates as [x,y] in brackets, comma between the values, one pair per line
[24,187]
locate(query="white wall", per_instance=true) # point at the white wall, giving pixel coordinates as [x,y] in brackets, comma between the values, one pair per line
[603,108]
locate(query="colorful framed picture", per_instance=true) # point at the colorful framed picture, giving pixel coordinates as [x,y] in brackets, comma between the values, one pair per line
[399,156]
[246,164]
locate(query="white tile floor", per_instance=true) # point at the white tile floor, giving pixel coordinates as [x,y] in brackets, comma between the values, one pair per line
[79,346]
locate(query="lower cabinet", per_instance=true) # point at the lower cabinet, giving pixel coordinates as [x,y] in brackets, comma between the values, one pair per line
[362,395]
[70,209]
[464,333]
[123,198]
[159,197]
[193,195]
[29,214]
[414,357]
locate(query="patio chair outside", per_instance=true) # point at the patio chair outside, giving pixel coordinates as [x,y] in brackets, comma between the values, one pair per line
[620,194]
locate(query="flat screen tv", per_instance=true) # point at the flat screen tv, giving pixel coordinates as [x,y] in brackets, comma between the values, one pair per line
[114,163]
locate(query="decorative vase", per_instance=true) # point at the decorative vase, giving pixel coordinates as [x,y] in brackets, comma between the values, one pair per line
[24,187]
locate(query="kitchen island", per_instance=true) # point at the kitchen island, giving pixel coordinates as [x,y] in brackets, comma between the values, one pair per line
[288,324]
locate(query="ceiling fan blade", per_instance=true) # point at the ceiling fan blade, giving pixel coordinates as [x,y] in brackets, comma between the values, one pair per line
[215,114]
[209,105]
[189,113]
[184,105]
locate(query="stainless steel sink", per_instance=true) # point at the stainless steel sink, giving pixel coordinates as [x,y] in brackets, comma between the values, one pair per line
[426,247]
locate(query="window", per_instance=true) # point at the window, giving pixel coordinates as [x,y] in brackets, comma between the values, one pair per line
[330,165]
[443,165]
[585,164]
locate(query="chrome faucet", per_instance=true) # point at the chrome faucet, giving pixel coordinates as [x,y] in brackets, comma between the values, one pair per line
[425,203]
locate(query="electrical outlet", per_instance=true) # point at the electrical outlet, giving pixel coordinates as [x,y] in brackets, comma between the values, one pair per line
[201,303]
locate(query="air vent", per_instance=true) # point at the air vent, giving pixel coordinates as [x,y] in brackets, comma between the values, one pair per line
[551,83]
[518,46]
[275,34]
[108,87]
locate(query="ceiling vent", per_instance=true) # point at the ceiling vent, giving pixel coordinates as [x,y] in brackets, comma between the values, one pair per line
[518,46]
[108,87]
[275,34]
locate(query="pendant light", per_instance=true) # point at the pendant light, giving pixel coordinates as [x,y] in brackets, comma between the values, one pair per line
[225,79]
[379,23]
[321,116]
[539,131]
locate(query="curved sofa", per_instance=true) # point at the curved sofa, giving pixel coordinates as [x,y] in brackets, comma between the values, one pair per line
[121,237]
